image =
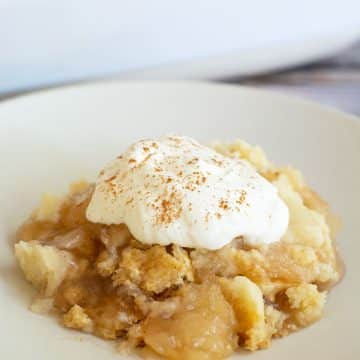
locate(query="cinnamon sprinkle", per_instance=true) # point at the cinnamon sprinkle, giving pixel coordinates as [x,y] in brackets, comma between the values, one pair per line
[170,209]
[242,197]
[223,204]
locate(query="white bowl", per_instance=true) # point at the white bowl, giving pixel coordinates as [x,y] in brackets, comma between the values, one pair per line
[51,138]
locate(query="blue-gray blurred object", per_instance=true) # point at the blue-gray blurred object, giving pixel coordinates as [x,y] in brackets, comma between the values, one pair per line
[46,42]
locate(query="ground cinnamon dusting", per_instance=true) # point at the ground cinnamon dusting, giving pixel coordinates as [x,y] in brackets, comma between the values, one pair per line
[193,161]
[223,204]
[242,197]
[169,210]
[217,162]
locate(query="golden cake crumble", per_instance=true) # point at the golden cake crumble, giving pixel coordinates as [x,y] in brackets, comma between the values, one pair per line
[182,303]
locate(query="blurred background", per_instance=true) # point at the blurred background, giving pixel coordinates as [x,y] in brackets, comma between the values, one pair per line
[310,47]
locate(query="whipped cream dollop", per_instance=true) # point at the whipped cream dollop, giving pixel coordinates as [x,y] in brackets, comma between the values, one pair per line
[177,191]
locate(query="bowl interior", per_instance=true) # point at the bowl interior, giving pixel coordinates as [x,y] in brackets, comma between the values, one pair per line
[52,138]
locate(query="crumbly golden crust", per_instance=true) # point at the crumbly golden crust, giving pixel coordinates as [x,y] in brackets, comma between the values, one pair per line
[155,269]
[76,318]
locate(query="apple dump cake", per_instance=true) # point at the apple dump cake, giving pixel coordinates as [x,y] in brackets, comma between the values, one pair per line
[185,251]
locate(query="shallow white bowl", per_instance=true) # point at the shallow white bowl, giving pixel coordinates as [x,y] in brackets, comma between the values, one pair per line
[51,138]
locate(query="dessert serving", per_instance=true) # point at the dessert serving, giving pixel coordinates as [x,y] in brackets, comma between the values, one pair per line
[183,251]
